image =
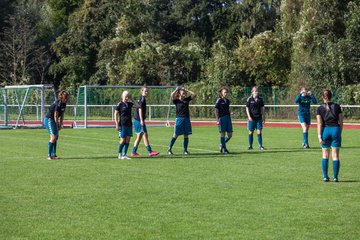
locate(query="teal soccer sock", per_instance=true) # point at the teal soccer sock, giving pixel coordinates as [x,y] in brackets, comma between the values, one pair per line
[324,167]
[222,142]
[148,148]
[50,148]
[305,138]
[54,148]
[259,136]
[120,148]
[134,149]
[251,140]
[126,147]
[172,141]
[336,168]
[186,143]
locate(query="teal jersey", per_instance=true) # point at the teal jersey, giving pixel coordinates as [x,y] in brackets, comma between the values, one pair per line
[304,104]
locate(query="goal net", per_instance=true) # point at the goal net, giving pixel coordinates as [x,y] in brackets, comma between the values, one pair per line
[24,106]
[95,105]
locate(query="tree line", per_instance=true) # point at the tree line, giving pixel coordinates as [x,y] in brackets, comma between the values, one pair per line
[203,43]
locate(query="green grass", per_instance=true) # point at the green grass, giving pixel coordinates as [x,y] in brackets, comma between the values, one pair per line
[90,194]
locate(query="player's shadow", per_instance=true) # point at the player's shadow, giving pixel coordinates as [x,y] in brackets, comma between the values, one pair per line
[348,181]
[89,158]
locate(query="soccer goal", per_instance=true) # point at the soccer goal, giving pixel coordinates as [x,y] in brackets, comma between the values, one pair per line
[23,106]
[95,104]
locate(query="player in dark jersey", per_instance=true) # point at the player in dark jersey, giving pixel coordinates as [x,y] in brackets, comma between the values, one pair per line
[54,122]
[329,127]
[140,126]
[255,112]
[304,100]
[182,121]
[223,118]
[123,122]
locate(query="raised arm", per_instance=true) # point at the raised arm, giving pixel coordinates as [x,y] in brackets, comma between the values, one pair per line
[174,93]
[192,94]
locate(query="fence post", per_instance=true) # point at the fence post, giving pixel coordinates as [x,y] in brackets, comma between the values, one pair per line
[150,113]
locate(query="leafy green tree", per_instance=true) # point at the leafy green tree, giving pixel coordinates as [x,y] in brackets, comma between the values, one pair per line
[265,59]
[78,47]
[317,59]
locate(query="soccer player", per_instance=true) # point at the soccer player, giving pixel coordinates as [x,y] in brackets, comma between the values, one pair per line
[223,119]
[122,116]
[255,111]
[182,121]
[304,99]
[140,126]
[329,127]
[54,122]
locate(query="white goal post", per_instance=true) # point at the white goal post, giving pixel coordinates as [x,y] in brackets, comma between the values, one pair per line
[24,105]
[95,104]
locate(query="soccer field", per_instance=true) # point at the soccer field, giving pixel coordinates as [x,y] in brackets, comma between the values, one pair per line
[90,194]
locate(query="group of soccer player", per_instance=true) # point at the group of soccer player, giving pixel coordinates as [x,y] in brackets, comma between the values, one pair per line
[329,121]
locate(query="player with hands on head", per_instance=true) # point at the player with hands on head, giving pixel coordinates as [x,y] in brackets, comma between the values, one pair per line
[123,122]
[304,100]
[255,111]
[329,128]
[54,122]
[140,125]
[223,118]
[182,121]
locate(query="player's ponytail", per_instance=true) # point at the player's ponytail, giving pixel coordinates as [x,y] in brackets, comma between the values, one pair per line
[327,96]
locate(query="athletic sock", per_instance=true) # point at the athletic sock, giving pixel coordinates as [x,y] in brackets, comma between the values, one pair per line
[251,140]
[259,136]
[305,138]
[126,146]
[120,148]
[227,139]
[54,148]
[222,142]
[186,144]
[324,167]
[148,148]
[172,141]
[336,168]
[50,148]
[134,149]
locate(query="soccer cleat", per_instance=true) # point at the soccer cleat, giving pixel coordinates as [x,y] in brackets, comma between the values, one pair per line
[261,148]
[326,179]
[169,152]
[55,157]
[119,156]
[336,180]
[306,145]
[186,153]
[226,151]
[125,157]
[250,148]
[153,154]
[135,155]
[51,158]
